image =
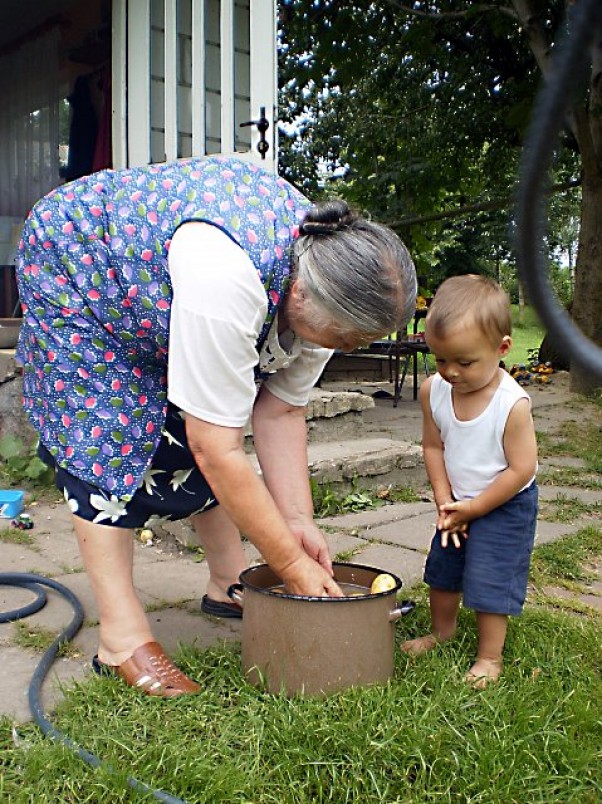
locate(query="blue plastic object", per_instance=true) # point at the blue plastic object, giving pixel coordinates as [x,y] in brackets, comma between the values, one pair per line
[11,503]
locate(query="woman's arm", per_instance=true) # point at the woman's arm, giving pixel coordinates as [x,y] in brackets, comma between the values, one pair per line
[280,438]
[220,455]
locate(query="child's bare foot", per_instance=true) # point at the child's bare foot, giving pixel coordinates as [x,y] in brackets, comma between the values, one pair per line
[420,645]
[483,672]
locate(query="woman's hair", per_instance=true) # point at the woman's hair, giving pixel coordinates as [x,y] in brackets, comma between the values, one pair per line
[470,298]
[356,274]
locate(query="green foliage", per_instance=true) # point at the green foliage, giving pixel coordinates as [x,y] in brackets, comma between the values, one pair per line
[409,110]
[20,463]
[328,503]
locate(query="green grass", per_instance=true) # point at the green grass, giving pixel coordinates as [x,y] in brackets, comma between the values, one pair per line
[423,737]
[568,559]
[581,439]
[526,335]
[16,536]
[564,508]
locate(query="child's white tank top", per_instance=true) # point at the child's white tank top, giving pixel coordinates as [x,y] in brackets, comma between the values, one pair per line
[474,450]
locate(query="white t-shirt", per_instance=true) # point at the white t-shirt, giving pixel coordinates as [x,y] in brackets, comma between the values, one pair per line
[218,310]
[474,450]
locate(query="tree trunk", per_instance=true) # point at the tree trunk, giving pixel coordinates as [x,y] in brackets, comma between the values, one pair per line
[587,299]
[521,303]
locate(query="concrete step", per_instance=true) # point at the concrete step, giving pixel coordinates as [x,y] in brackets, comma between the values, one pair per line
[342,466]
[343,451]
[366,462]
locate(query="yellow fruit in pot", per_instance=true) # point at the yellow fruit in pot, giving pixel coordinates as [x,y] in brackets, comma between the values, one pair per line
[382,583]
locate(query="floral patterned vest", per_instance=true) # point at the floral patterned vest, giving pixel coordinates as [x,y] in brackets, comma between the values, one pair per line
[96,294]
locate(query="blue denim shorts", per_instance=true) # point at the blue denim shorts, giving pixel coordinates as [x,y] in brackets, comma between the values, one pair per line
[172,487]
[491,566]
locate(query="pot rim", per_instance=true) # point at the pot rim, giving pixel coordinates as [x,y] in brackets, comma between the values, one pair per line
[356,598]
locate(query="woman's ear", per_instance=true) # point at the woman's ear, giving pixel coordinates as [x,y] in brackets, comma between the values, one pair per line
[297,292]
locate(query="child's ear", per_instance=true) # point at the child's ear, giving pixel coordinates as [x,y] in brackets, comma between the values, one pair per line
[505,345]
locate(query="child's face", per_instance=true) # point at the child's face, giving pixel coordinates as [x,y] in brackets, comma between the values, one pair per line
[466,358]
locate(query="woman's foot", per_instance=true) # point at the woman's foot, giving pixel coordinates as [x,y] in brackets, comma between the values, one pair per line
[151,671]
[217,593]
[420,645]
[484,672]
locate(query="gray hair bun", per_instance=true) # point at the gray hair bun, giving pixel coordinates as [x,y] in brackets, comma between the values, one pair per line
[329,217]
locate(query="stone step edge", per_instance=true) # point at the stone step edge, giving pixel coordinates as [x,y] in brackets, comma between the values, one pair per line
[345,460]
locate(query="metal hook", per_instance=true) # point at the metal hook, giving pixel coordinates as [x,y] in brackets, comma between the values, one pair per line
[263,146]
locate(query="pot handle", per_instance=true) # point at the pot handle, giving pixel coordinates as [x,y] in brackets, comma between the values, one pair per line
[403,608]
[235,593]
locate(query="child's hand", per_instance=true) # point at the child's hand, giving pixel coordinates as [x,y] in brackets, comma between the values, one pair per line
[451,527]
[454,534]
[454,517]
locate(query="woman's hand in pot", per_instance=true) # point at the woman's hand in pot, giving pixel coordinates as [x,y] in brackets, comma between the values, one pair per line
[307,577]
[312,541]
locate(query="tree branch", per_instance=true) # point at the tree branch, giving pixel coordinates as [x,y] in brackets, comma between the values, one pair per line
[533,25]
[451,14]
[484,206]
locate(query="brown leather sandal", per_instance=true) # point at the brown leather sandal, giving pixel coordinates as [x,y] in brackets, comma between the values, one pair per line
[150,670]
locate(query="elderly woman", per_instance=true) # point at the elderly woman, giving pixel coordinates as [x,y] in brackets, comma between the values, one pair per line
[163,307]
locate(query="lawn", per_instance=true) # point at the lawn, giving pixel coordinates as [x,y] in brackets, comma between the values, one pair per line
[534,737]
[424,737]
[526,335]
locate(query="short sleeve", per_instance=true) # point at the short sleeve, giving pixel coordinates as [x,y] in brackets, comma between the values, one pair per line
[218,309]
[293,384]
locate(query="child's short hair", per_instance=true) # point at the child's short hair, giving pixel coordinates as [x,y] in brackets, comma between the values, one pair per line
[474,296]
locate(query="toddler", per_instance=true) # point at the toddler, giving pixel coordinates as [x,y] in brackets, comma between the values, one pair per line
[481,458]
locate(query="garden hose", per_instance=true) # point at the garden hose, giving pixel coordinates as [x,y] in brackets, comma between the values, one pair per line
[35,584]
[584,21]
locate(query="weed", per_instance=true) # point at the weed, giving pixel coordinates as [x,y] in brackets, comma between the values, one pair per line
[567,509]
[328,503]
[566,559]
[35,637]
[16,536]
[20,463]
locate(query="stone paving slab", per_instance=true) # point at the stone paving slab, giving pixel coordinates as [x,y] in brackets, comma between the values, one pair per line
[21,558]
[342,543]
[588,496]
[414,533]
[407,564]
[18,666]
[373,517]
[552,531]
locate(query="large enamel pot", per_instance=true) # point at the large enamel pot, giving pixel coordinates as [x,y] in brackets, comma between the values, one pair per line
[316,645]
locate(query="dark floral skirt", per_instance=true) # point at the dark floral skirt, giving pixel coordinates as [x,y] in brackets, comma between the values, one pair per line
[172,487]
